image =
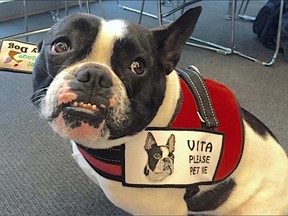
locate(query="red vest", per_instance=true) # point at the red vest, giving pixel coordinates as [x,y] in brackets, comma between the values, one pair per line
[230,123]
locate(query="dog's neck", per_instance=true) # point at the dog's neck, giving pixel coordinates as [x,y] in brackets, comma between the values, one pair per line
[169,105]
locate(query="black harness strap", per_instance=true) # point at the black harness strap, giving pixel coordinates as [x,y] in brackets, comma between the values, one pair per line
[199,90]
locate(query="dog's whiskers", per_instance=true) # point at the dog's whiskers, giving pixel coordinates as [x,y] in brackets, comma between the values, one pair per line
[28,107]
[126,83]
[47,72]
[28,104]
[35,98]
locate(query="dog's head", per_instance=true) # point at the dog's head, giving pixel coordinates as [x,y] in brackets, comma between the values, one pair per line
[97,80]
[160,158]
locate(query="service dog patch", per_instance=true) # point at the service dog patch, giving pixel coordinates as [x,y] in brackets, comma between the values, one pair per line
[172,158]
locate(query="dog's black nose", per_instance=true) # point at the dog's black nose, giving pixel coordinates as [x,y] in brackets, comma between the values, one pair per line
[166,160]
[94,77]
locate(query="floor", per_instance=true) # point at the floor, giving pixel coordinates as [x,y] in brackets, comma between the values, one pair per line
[38,176]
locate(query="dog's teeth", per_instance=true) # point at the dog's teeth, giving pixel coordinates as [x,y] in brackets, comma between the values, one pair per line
[85,106]
[94,107]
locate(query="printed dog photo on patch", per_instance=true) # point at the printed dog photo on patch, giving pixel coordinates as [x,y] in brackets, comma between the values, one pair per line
[160,162]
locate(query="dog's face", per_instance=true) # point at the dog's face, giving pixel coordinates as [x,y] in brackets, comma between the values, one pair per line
[160,158]
[97,80]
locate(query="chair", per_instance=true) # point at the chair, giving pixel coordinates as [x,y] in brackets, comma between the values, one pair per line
[209,45]
[242,14]
[163,17]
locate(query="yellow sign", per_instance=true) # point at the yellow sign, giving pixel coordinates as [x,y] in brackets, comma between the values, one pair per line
[17,56]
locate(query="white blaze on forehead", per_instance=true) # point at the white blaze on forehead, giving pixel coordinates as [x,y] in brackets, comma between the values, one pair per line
[165,151]
[109,32]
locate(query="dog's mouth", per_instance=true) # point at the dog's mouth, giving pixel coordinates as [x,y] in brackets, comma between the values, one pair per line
[76,113]
[167,167]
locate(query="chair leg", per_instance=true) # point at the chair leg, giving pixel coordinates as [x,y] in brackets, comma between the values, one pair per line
[88,10]
[159,11]
[135,10]
[246,5]
[25,18]
[141,11]
[230,8]
[242,13]
[278,40]
[102,9]
[66,7]
[240,8]
[184,2]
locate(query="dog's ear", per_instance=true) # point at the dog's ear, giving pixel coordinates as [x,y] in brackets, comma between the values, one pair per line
[171,143]
[39,46]
[150,140]
[171,39]
[146,171]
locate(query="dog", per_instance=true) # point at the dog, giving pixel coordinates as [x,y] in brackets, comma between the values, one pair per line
[160,158]
[106,84]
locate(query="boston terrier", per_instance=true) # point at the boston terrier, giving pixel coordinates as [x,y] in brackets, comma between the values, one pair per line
[105,85]
[160,158]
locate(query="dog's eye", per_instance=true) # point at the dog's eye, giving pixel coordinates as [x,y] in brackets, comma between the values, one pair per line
[60,47]
[157,156]
[138,66]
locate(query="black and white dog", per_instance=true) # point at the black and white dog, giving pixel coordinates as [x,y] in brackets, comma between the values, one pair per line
[160,163]
[103,83]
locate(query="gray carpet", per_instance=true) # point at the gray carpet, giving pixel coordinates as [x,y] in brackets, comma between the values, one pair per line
[38,176]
